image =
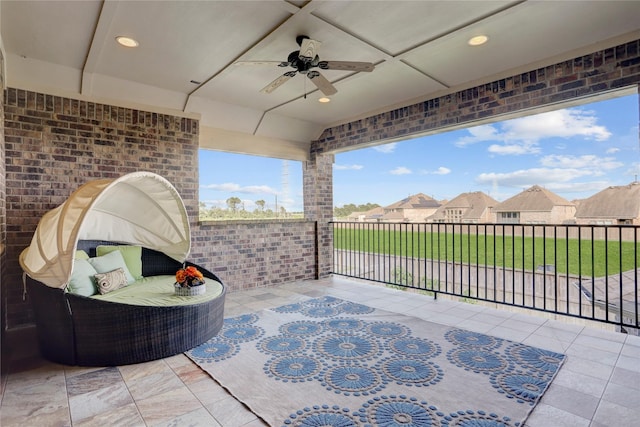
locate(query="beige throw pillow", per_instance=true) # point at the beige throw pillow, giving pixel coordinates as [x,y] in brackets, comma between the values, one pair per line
[111,281]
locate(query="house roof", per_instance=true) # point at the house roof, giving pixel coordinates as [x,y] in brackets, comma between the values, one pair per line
[533,199]
[417,201]
[375,213]
[475,203]
[619,202]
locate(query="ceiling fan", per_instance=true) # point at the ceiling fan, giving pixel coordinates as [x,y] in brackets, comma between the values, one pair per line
[304,61]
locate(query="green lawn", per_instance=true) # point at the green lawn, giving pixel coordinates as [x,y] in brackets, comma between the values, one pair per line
[577,257]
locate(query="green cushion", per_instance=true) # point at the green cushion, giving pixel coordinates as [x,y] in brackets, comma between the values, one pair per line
[80,254]
[110,262]
[158,291]
[82,281]
[132,257]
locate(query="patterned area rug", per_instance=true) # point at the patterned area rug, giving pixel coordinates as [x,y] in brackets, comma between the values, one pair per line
[330,362]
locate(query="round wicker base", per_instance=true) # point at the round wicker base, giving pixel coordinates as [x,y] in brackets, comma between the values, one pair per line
[190,291]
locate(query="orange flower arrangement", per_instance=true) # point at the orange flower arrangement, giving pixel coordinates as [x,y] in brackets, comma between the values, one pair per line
[188,277]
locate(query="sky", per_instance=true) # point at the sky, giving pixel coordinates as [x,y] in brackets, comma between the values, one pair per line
[574,152]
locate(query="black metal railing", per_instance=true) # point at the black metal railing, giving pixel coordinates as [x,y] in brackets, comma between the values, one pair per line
[585,271]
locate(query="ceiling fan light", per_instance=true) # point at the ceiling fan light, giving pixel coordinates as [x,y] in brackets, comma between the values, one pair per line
[324,100]
[127,41]
[478,40]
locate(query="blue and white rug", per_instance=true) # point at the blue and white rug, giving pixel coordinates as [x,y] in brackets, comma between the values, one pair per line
[330,362]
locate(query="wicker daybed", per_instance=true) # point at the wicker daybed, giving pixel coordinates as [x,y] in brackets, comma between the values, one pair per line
[81,329]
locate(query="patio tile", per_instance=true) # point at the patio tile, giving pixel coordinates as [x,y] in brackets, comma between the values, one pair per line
[520,325]
[598,343]
[611,414]
[602,356]
[630,363]
[561,335]
[93,380]
[125,416]
[626,378]
[633,340]
[588,367]
[604,334]
[545,343]
[229,412]
[164,407]
[475,326]
[40,404]
[99,401]
[630,351]
[208,391]
[199,417]
[543,413]
[581,382]
[507,333]
[622,395]
[572,401]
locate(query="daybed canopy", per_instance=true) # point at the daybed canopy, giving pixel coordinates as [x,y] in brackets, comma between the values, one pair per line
[139,208]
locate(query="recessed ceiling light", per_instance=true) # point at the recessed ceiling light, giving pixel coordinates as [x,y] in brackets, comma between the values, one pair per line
[127,41]
[477,40]
[324,100]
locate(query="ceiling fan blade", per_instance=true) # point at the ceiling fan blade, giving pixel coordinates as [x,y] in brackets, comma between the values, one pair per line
[309,49]
[278,82]
[272,63]
[322,83]
[346,65]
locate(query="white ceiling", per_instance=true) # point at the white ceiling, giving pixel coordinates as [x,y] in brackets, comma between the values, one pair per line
[419,49]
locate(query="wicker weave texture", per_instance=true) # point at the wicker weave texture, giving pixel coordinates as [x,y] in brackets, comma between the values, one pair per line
[77,330]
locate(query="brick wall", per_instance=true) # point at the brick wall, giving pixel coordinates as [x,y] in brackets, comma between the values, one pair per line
[3,209]
[55,144]
[318,206]
[248,254]
[584,76]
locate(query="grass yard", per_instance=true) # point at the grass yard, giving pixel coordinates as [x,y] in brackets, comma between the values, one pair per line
[585,257]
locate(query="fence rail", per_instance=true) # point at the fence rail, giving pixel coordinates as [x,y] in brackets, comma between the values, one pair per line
[584,271]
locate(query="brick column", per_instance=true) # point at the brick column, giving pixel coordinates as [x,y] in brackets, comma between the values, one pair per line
[318,207]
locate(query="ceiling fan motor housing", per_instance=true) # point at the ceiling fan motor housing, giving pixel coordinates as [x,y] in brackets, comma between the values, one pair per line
[299,64]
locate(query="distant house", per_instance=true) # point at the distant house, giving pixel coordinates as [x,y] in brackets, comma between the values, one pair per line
[372,215]
[613,205]
[535,205]
[475,207]
[414,208]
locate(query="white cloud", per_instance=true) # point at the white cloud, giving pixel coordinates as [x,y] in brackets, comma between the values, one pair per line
[237,188]
[596,164]
[347,167]
[612,150]
[521,136]
[479,134]
[386,148]
[514,149]
[400,170]
[529,177]
[440,171]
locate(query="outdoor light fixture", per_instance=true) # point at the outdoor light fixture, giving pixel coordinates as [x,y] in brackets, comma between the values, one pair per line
[127,41]
[478,40]
[324,100]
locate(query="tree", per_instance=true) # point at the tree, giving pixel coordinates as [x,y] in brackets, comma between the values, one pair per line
[260,204]
[233,203]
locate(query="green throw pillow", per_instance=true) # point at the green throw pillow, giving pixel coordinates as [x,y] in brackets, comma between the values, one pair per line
[110,262]
[132,257]
[82,281]
[80,254]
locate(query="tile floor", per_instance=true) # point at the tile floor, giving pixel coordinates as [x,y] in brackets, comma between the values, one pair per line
[599,385]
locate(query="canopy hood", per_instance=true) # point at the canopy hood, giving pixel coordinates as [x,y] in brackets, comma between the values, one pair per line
[139,208]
